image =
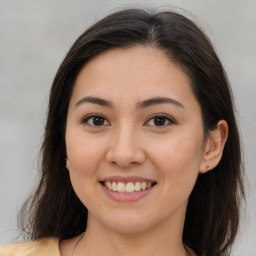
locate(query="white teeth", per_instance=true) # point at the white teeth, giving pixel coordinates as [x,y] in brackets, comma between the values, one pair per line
[143,185]
[137,186]
[129,187]
[109,186]
[120,187]
[114,186]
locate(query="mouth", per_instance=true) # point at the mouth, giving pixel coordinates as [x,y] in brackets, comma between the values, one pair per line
[127,187]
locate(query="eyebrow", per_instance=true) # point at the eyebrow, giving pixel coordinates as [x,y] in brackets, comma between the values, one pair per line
[159,100]
[95,100]
[140,105]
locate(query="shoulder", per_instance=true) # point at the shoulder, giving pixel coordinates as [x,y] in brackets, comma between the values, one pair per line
[40,247]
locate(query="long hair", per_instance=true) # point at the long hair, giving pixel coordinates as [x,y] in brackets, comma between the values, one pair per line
[212,217]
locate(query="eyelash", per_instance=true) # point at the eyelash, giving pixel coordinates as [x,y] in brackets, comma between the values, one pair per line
[167,118]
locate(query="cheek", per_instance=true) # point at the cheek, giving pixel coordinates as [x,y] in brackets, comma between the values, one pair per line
[83,175]
[84,158]
[84,153]
[178,161]
[178,153]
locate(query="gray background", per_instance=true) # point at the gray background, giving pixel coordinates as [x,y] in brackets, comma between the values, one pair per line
[35,36]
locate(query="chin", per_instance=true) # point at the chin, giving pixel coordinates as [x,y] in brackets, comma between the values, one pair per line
[128,223]
[128,228]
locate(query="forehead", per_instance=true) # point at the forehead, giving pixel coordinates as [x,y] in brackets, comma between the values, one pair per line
[132,74]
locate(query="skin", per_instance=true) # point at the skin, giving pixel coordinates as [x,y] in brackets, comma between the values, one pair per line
[129,142]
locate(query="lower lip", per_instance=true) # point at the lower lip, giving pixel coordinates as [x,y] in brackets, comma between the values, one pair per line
[126,197]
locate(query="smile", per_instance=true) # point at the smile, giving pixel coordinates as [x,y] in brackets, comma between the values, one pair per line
[129,187]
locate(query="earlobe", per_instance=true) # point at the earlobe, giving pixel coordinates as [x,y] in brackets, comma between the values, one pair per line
[214,147]
[67,163]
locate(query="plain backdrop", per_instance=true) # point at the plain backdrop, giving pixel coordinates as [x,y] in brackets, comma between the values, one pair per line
[34,38]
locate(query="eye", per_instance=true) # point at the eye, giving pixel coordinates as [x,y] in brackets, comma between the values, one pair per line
[160,120]
[95,120]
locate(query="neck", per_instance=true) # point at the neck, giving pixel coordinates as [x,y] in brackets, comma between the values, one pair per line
[164,239]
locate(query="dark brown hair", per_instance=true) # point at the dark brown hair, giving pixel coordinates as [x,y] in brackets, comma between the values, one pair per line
[212,216]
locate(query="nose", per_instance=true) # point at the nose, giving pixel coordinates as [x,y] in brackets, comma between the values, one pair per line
[125,148]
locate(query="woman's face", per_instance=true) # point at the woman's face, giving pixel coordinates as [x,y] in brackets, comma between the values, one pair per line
[133,122]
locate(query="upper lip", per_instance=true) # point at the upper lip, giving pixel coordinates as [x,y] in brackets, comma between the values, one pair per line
[126,179]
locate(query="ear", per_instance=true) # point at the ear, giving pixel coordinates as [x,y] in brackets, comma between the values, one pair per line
[214,147]
[67,163]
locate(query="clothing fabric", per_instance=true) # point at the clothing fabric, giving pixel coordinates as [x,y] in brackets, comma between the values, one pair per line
[40,247]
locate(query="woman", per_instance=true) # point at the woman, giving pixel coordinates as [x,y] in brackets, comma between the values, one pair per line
[141,151]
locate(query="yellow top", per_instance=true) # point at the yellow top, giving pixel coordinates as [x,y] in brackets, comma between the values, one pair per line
[40,247]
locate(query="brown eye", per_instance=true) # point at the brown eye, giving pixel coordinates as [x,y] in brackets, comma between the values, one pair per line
[95,120]
[160,121]
[98,120]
